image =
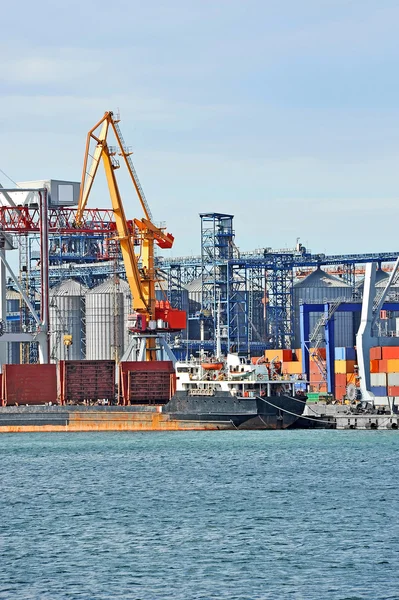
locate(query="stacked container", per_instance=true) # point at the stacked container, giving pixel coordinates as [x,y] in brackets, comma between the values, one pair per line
[344,369]
[384,371]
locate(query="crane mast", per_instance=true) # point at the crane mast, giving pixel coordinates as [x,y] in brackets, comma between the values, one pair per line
[149,315]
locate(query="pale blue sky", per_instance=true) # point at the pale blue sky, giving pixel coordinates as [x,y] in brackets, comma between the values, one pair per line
[283,113]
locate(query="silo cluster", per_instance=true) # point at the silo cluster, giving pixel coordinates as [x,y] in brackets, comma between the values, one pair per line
[95,318]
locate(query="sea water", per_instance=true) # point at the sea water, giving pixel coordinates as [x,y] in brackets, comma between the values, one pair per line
[212,515]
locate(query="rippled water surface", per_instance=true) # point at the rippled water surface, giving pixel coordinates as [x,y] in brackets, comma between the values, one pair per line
[226,515]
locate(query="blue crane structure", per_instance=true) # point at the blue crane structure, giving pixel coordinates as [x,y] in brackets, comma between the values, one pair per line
[253,290]
[250,285]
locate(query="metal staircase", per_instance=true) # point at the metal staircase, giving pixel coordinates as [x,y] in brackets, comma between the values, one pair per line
[316,338]
[126,154]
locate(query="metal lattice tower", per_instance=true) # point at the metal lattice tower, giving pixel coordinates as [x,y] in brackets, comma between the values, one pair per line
[279,289]
[217,245]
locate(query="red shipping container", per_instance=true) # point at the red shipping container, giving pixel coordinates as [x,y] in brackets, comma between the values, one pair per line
[29,384]
[321,352]
[393,390]
[315,367]
[340,392]
[390,352]
[287,355]
[376,353]
[340,379]
[144,369]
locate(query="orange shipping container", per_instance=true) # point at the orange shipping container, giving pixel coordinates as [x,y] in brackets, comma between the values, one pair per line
[292,368]
[390,352]
[350,378]
[374,366]
[393,390]
[393,365]
[376,353]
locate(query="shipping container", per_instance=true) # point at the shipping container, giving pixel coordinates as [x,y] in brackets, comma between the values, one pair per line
[378,379]
[278,354]
[340,379]
[292,368]
[392,365]
[390,352]
[29,384]
[345,353]
[374,366]
[87,381]
[393,379]
[379,390]
[376,353]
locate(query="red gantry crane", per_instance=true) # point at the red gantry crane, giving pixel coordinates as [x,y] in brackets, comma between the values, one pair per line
[150,317]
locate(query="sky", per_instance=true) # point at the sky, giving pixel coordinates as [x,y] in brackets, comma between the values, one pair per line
[282,113]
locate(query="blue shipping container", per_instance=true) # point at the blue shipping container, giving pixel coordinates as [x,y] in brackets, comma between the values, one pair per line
[345,354]
[379,390]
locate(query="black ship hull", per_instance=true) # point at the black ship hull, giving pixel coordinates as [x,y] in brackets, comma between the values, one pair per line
[274,412]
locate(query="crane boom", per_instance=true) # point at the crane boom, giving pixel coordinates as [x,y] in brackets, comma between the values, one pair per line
[141,279]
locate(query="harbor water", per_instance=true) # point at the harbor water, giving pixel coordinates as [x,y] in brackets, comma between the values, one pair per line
[200,515]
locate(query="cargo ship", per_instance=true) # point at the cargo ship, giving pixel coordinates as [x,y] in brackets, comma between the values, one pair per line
[193,395]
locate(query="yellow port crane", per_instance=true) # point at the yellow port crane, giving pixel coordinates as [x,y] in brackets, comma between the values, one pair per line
[149,315]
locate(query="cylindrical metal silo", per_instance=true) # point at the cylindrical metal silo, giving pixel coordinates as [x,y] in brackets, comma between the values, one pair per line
[317,288]
[67,318]
[107,308]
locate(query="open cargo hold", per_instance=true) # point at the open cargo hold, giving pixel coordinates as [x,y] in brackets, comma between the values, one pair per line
[29,384]
[87,380]
[146,382]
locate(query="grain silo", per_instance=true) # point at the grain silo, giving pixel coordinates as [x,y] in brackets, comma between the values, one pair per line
[317,288]
[67,318]
[107,308]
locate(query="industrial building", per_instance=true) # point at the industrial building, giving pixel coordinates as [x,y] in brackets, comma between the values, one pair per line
[72,277]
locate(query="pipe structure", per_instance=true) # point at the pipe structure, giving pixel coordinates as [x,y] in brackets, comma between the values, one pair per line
[364,339]
[44,268]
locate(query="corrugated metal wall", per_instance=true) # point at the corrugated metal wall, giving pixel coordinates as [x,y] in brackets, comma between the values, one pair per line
[320,287]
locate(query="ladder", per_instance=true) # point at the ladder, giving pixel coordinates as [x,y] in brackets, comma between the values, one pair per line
[126,152]
[317,337]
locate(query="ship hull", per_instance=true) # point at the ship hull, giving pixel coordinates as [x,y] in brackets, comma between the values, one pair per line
[274,412]
[181,413]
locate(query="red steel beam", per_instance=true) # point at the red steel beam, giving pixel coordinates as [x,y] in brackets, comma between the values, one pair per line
[26,219]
